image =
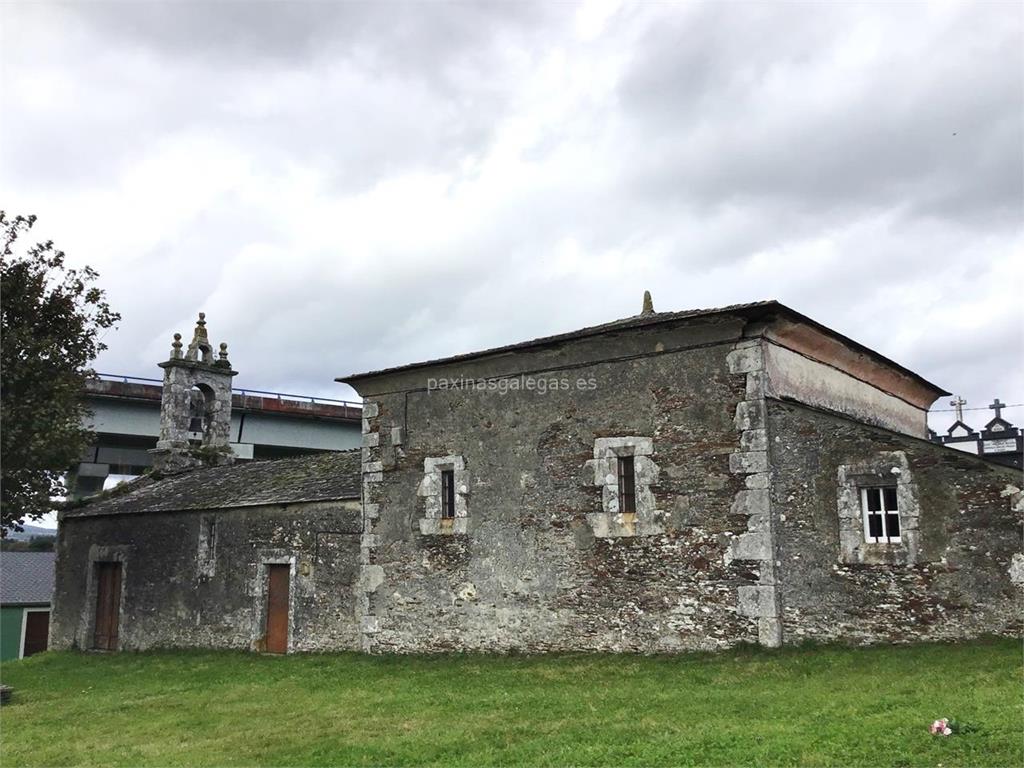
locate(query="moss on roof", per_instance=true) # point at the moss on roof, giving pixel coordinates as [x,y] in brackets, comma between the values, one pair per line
[316,477]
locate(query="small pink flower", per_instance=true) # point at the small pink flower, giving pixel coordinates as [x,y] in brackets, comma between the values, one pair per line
[946,731]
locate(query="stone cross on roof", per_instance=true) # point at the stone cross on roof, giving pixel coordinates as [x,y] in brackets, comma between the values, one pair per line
[959,404]
[998,408]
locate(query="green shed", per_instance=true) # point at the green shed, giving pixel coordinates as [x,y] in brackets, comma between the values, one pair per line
[26,587]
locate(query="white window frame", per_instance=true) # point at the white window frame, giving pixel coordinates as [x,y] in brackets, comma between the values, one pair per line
[885,538]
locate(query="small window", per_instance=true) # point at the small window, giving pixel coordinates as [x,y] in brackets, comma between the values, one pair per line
[207,555]
[881,515]
[211,534]
[627,486]
[447,494]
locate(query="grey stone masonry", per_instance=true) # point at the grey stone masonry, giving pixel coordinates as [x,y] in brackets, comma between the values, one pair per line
[745,524]
[948,577]
[1016,569]
[179,593]
[195,409]
[371,575]
[757,544]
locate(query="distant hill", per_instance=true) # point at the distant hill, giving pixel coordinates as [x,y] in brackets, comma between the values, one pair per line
[30,531]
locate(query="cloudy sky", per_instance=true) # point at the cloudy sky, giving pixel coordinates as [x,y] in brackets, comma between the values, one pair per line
[343,187]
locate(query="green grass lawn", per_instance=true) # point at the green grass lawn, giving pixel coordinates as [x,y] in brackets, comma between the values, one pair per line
[808,706]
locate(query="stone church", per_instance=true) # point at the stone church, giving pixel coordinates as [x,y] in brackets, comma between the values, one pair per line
[670,481]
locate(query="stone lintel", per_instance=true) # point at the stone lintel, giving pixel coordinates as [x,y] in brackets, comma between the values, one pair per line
[605,447]
[437,463]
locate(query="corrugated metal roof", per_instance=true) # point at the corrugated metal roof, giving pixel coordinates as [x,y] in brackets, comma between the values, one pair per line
[26,577]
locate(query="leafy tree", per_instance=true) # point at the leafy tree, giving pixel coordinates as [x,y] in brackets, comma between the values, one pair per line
[34,544]
[51,318]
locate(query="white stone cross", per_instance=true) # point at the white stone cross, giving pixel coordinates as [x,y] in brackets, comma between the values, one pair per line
[959,404]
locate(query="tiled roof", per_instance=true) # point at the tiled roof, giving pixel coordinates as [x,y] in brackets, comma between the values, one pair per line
[756,310]
[316,477]
[636,321]
[26,577]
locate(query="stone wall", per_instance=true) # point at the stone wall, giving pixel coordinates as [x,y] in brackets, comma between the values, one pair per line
[197,579]
[533,571]
[950,578]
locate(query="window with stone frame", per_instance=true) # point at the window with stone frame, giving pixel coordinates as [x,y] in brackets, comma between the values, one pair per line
[624,470]
[880,507]
[879,510]
[445,493]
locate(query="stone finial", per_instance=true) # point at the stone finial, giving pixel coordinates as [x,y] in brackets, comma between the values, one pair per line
[199,348]
[200,334]
[648,304]
[176,347]
[223,354]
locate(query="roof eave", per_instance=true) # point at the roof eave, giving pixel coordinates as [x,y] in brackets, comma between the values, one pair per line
[752,311]
[626,323]
[852,343]
[86,511]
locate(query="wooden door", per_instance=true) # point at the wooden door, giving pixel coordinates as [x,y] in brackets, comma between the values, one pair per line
[108,605]
[277,608]
[37,631]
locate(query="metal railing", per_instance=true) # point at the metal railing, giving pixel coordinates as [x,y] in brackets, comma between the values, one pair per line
[242,392]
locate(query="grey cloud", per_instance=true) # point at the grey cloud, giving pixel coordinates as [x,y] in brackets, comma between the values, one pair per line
[732,104]
[730,131]
[361,90]
[413,36]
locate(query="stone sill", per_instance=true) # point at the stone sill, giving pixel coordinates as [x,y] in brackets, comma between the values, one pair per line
[612,526]
[448,526]
[869,553]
